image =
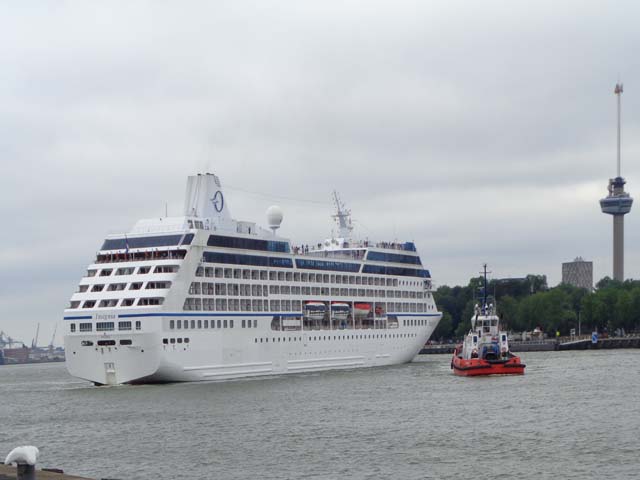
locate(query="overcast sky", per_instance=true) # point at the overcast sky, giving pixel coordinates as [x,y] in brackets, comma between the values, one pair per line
[483,131]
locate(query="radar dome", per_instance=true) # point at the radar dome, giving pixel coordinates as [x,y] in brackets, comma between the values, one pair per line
[274,217]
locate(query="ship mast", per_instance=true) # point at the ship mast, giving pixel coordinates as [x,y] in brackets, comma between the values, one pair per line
[484,289]
[342,217]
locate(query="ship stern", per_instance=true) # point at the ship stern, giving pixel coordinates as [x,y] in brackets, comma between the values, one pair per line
[112,359]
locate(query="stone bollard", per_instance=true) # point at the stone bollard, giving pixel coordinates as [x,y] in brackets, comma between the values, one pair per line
[25,459]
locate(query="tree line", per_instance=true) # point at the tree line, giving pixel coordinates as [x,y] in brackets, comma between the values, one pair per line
[526,303]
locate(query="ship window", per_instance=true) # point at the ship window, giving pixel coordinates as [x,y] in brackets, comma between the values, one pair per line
[83,288]
[150,301]
[186,340]
[165,341]
[109,302]
[238,259]
[225,324]
[124,325]
[74,304]
[255,323]
[230,323]
[243,323]
[72,327]
[113,287]
[105,326]
[91,273]
[186,324]
[138,324]
[124,271]
[135,286]
[147,242]
[172,340]
[106,343]
[128,342]
[89,304]
[179,324]
[193,324]
[247,244]
[172,324]
[179,340]
[105,272]
[86,343]
[206,323]
[143,270]
[218,323]
[127,302]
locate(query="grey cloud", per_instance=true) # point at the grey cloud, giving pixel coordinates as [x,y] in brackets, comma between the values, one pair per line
[484,132]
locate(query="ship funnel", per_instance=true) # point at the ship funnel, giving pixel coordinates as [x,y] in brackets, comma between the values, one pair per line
[204,198]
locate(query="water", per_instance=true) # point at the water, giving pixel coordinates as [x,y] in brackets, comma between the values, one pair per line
[573,415]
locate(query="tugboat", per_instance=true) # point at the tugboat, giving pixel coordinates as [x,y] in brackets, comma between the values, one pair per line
[485,350]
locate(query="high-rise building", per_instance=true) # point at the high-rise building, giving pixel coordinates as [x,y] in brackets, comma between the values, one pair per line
[617,203]
[578,273]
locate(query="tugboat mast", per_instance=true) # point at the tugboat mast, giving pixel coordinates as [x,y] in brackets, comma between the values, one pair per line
[484,290]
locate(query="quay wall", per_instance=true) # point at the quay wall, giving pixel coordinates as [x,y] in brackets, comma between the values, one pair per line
[549,345]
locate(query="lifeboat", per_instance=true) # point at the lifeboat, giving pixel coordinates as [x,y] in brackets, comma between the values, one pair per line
[340,311]
[315,310]
[361,309]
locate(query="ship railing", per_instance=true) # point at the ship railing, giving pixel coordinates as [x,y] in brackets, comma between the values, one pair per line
[141,256]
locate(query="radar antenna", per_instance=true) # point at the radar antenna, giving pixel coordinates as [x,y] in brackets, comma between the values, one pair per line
[342,217]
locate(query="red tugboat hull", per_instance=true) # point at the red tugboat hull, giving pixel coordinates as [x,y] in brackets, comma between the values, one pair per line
[476,367]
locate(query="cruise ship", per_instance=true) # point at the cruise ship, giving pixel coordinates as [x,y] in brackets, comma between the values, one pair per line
[205,297]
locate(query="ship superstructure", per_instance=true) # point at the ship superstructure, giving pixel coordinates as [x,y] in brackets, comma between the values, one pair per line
[203,297]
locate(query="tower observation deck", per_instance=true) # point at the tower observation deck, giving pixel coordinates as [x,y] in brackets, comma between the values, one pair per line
[617,203]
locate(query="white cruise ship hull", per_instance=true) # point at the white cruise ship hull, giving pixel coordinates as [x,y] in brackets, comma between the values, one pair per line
[205,297]
[228,354]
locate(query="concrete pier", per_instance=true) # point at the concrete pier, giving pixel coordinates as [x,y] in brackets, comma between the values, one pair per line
[8,472]
[603,343]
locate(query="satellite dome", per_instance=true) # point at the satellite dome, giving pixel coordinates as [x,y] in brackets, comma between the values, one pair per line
[274,217]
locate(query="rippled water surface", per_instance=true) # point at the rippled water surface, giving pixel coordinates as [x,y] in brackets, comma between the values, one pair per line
[573,415]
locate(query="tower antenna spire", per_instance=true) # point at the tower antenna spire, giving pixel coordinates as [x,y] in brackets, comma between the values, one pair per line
[618,91]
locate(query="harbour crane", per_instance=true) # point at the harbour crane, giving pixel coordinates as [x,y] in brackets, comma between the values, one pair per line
[34,342]
[53,336]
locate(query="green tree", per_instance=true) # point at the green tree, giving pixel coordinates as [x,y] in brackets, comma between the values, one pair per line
[623,311]
[508,312]
[444,330]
